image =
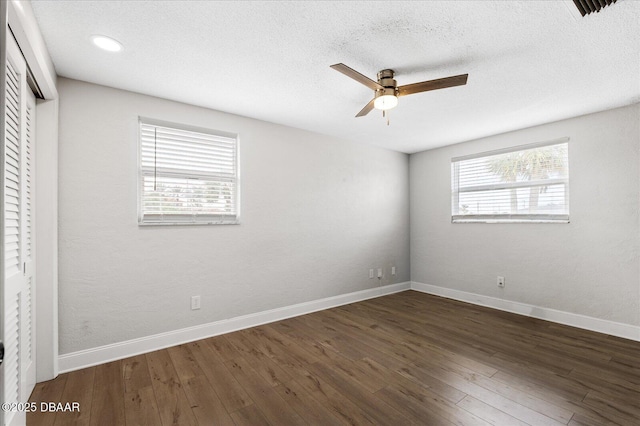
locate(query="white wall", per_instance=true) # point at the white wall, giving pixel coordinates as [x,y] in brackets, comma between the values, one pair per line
[317,214]
[590,266]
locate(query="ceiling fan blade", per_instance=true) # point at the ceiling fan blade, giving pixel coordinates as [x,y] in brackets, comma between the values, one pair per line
[441,83]
[367,109]
[350,72]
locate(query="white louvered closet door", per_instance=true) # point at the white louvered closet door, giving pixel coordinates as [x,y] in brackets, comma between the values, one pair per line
[19,297]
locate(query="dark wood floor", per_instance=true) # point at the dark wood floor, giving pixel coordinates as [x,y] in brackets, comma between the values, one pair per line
[407,358]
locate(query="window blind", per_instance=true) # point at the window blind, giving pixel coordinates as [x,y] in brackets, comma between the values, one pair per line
[187,176]
[521,184]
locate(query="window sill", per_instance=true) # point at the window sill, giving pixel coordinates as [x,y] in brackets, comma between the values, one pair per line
[510,221]
[145,224]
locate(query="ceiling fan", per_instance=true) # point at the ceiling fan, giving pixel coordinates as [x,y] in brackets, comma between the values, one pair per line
[387,90]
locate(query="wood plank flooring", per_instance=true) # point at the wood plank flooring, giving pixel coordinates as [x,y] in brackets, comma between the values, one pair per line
[407,358]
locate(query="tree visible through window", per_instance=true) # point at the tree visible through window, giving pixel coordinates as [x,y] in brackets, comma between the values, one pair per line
[529,183]
[187,176]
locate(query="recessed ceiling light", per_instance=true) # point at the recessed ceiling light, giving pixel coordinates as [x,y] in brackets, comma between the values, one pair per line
[106,43]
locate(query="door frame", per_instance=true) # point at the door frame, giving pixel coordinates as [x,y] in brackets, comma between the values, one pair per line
[19,18]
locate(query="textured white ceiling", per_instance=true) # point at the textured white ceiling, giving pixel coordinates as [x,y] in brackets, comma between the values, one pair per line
[529,62]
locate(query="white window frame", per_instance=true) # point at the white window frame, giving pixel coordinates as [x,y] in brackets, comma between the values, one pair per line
[456,217]
[187,219]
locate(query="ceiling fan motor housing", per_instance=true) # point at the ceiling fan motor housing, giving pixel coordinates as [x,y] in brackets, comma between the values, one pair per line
[385,79]
[387,97]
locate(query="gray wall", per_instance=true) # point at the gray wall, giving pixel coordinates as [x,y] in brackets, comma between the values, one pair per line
[590,266]
[317,214]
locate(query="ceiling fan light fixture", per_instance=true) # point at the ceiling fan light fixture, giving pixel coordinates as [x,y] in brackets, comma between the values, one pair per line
[385,99]
[385,102]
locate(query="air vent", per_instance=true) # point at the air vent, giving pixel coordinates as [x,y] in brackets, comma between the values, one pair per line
[588,6]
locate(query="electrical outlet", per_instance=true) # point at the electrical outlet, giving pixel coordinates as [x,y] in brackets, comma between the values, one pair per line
[370,273]
[500,281]
[195,303]
[379,272]
[393,270]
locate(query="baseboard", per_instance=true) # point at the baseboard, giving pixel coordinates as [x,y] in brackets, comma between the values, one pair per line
[626,331]
[100,355]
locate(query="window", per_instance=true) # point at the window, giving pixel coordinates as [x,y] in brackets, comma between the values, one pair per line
[528,183]
[187,175]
